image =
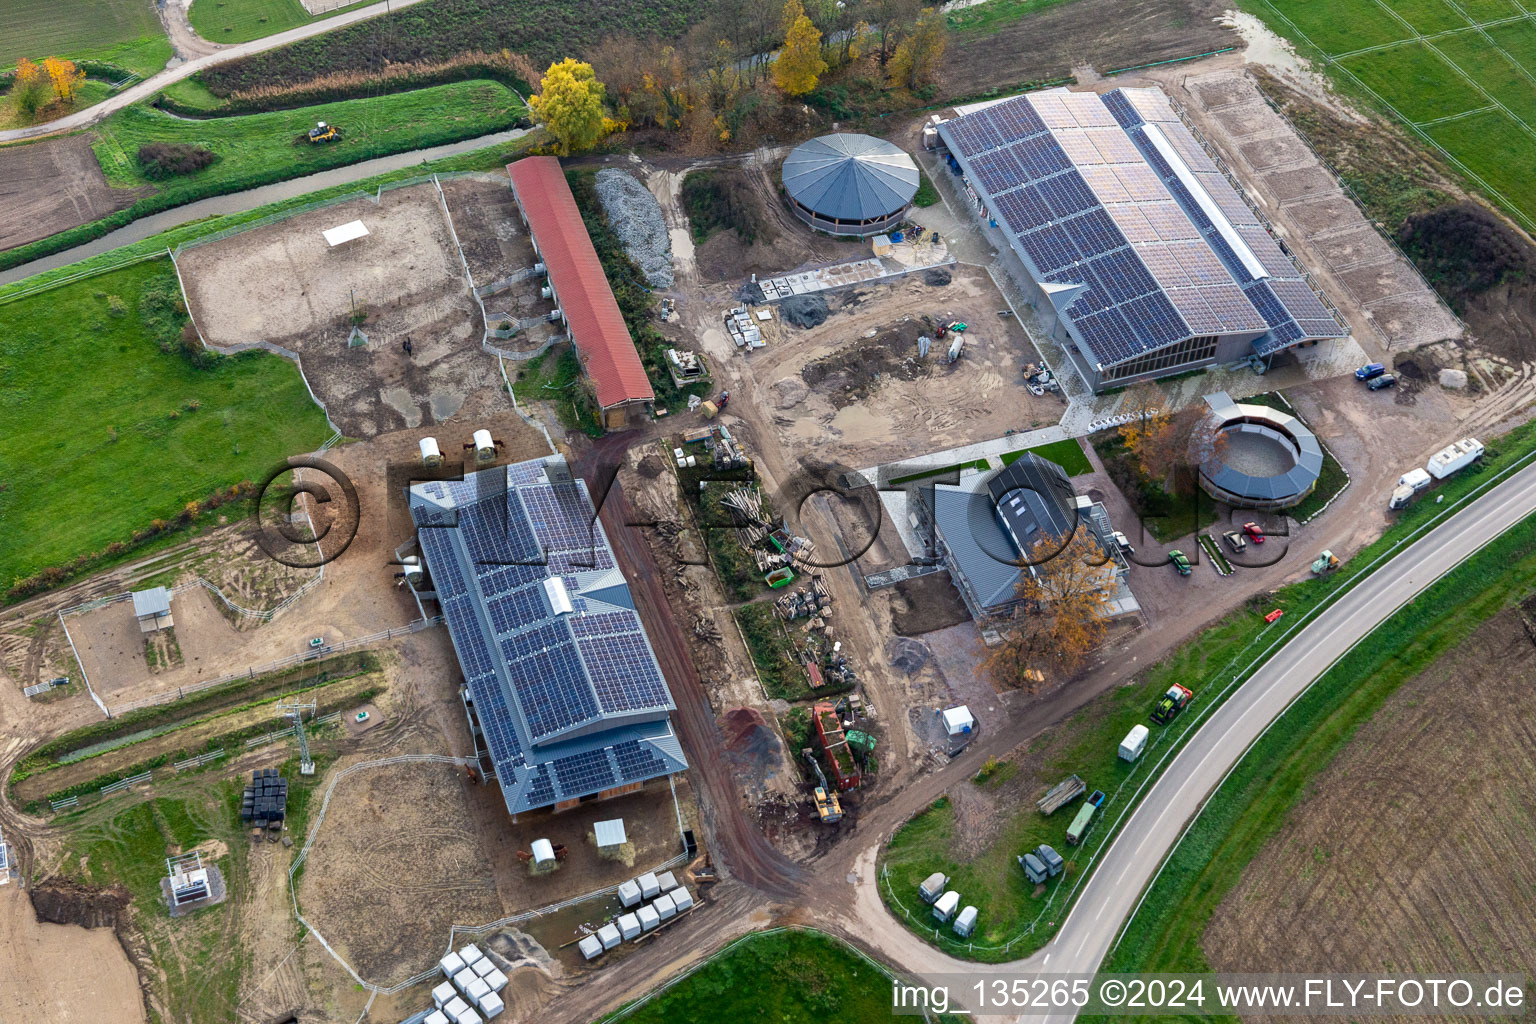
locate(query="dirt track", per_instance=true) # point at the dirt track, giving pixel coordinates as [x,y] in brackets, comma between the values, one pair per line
[51,186]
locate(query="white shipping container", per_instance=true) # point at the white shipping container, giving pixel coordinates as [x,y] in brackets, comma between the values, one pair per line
[463,978]
[649,887]
[470,953]
[498,981]
[476,989]
[590,947]
[455,1007]
[609,936]
[629,926]
[442,994]
[944,908]
[491,1005]
[437,1017]
[682,899]
[1134,743]
[667,881]
[648,918]
[629,893]
[665,907]
[469,1016]
[483,966]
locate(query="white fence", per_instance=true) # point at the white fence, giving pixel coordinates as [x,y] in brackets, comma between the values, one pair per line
[65,804]
[118,787]
[198,761]
[268,737]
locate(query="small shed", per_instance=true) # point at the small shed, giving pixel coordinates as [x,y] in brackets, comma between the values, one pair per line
[491,1005]
[1134,743]
[152,608]
[610,834]
[958,720]
[609,935]
[454,1007]
[665,906]
[591,947]
[543,856]
[648,918]
[464,979]
[966,922]
[629,926]
[475,989]
[469,1016]
[629,893]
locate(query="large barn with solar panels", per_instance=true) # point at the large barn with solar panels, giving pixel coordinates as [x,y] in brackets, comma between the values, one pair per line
[1152,260]
[558,670]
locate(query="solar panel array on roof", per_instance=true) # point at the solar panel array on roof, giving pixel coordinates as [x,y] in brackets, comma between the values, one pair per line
[549,687]
[1089,202]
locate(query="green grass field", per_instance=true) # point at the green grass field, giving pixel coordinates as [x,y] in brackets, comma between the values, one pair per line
[236,21]
[126,33]
[99,434]
[1067,454]
[788,977]
[1432,63]
[257,148]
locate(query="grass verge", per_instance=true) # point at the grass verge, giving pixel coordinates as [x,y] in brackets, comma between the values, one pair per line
[1068,454]
[239,21]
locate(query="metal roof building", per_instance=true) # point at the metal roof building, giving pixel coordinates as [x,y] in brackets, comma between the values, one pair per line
[576,279]
[849,184]
[560,673]
[988,523]
[1269,460]
[152,608]
[1152,260]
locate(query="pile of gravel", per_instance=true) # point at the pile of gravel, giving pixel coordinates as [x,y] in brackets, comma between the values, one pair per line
[804,310]
[635,216]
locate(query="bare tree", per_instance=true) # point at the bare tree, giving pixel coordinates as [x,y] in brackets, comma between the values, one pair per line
[891,21]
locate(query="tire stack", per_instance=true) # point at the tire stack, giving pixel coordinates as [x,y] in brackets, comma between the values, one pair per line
[265,800]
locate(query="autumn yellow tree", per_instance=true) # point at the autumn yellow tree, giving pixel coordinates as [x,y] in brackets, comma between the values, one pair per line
[569,104]
[917,58]
[64,77]
[1061,613]
[29,88]
[1165,444]
[799,64]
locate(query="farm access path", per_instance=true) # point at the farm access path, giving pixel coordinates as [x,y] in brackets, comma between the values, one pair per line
[154,83]
[252,199]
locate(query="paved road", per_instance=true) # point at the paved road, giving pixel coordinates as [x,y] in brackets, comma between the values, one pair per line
[1131,860]
[153,84]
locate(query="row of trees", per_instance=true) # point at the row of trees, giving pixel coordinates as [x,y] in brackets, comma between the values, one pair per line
[736,67]
[34,86]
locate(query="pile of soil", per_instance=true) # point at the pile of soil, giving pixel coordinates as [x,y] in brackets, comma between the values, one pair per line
[805,310]
[938,277]
[925,604]
[1464,250]
[66,901]
[652,466]
[853,374]
[748,733]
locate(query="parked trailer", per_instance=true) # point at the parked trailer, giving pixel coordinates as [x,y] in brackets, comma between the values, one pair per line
[1409,484]
[1084,820]
[1134,743]
[945,907]
[966,922]
[1061,794]
[933,886]
[1050,858]
[1034,869]
[1455,457]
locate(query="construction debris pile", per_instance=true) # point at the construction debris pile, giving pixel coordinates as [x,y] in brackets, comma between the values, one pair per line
[744,332]
[725,452]
[635,216]
[807,602]
[771,546]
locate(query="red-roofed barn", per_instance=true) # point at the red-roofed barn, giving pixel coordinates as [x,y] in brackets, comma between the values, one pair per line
[576,279]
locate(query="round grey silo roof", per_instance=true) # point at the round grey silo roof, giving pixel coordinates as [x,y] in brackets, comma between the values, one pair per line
[850,177]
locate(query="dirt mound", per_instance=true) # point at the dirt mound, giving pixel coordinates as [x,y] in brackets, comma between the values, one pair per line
[805,310]
[938,277]
[853,374]
[789,392]
[66,901]
[907,654]
[1464,250]
[927,603]
[748,732]
[652,466]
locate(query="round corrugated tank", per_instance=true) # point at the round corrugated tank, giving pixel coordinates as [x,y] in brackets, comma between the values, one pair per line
[849,184]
